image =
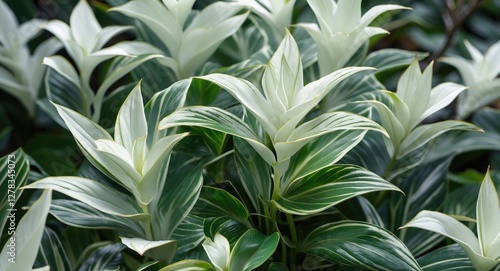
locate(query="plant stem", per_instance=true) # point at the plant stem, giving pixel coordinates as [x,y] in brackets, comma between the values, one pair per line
[291,225]
[383,194]
[293,232]
[454,17]
[147,222]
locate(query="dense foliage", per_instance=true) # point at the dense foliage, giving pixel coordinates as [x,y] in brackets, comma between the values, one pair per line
[250,135]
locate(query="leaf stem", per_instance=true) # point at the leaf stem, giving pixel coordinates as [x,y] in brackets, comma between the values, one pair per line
[147,222]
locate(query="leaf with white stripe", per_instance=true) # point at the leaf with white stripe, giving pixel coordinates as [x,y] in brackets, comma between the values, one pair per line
[458,232]
[92,193]
[52,252]
[450,257]
[328,187]
[81,215]
[425,133]
[326,123]
[359,244]
[28,236]
[14,169]
[176,197]
[322,152]
[162,104]
[104,258]
[219,120]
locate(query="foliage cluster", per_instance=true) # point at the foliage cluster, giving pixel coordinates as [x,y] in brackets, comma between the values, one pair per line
[250,135]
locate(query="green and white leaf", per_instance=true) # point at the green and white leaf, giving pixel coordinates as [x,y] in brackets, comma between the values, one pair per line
[219,120]
[14,168]
[94,194]
[358,244]
[328,187]
[107,257]
[252,250]
[79,214]
[458,232]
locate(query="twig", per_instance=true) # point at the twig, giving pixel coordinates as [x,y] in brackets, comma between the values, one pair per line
[454,17]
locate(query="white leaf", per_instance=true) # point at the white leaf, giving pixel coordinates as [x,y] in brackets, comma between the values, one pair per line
[84,26]
[492,58]
[425,133]
[347,16]
[458,232]
[218,251]
[465,67]
[160,150]
[441,96]
[179,9]
[488,218]
[117,151]
[8,24]
[157,18]
[64,68]
[131,121]
[29,30]
[86,133]
[141,246]
[106,34]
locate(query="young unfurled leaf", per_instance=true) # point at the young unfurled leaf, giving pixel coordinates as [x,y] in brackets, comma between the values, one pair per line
[188,47]
[128,159]
[342,30]
[83,39]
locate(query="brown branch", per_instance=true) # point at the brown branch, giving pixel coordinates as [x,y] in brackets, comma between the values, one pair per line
[454,17]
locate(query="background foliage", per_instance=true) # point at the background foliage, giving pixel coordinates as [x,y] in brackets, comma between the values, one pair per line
[181,148]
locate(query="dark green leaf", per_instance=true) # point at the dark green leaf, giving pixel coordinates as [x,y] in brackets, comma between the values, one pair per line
[277,267]
[215,202]
[78,252]
[425,189]
[252,250]
[5,130]
[372,145]
[212,225]
[64,92]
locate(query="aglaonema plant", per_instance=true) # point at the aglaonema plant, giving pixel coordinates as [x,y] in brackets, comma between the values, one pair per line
[20,73]
[294,172]
[144,206]
[84,39]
